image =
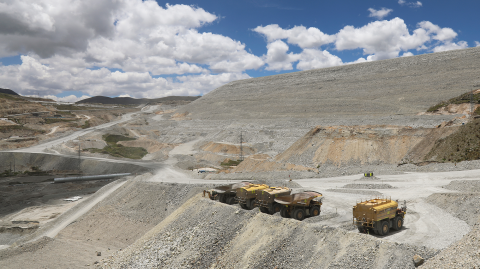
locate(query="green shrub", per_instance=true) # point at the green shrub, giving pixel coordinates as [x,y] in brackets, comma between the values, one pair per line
[86,124]
[231,163]
[113,139]
[117,150]
[121,151]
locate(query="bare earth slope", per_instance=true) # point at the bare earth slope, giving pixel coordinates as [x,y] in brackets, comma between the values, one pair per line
[397,86]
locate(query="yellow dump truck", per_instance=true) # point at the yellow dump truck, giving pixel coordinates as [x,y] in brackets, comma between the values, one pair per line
[379,216]
[226,193]
[300,205]
[246,195]
[265,199]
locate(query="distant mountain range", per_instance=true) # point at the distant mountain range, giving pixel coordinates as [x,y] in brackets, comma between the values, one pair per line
[8,91]
[133,101]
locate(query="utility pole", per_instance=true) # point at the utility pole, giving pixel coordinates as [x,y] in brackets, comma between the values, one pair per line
[241,145]
[472,106]
[79,160]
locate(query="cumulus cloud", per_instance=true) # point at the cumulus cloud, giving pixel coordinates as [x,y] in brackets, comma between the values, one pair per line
[298,35]
[63,40]
[410,4]
[386,39]
[379,40]
[379,14]
[314,58]
[32,76]
[451,46]
[477,44]
[277,57]
[67,99]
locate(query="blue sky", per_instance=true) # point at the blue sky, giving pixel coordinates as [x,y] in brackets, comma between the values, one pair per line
[69,49]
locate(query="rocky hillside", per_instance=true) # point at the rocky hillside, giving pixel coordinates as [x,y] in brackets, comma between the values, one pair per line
[132,101]
[7,91]
[407,85]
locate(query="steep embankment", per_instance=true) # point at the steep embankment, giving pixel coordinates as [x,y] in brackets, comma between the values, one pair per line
[407,85]
[207,234]
[343,145]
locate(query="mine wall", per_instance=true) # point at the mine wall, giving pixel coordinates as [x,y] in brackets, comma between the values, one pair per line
[19,162]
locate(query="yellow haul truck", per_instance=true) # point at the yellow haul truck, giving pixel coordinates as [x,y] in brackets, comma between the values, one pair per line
[246,195]
[379,216]
[300,205]
[265,199]
[226,193]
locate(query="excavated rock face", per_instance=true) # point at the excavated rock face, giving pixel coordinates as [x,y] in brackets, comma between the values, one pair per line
[343,145]
[406,86]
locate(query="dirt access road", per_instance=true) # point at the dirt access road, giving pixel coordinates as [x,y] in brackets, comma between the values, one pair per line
[425,224]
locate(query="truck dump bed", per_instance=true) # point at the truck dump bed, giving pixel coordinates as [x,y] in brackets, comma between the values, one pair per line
[302,198]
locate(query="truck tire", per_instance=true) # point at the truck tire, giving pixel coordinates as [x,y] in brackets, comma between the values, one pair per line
[361,229]
[397,223]
[274,208]
[284,212]
[264,210]
[222,198]
[250,204]
[231,200]
[244,206]
[384,229]
[299,214]
[314,211]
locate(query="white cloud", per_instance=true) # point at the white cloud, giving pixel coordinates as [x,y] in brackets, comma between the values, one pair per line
[277,57]
[441,34]
[65,39]
[410,4]
[451,46]
[33,77]
[383,39]
[379,40]
[477,44]
[298,35]
[379,14]
[386,39]
[67,99]
[313,58]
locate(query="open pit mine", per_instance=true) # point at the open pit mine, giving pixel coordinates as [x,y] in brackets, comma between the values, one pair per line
[369,165]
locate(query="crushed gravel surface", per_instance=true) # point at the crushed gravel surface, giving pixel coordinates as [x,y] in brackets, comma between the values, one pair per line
[464,185]
[463,254]
[364,192]
[368,186]
[465,206]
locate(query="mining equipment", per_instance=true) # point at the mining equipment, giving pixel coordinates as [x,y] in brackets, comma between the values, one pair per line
[246,195]
[226,193]
[379,216]
[265,199]
[300,205]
